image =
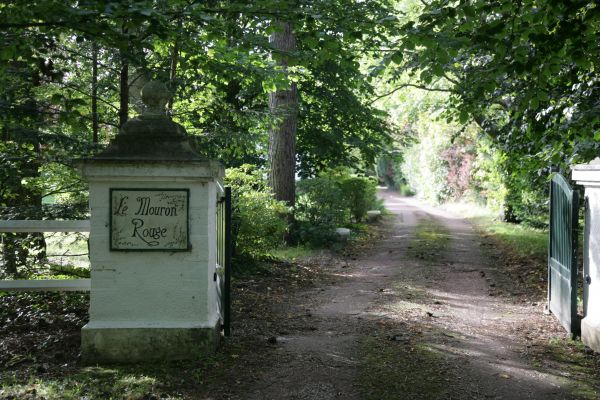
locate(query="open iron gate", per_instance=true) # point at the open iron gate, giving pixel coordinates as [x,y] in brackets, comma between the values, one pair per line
[224,256]
[562,254]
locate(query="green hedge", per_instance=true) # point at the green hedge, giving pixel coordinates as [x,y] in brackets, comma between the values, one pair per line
[330,201]
[258,223]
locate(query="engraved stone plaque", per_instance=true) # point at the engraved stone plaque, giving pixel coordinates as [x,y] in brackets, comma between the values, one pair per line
[149,219]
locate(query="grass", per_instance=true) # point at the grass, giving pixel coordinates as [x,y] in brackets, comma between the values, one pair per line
[89,383]
[571,358]
[431,239]
[99,383]
[173,380]
[524,241]
[292,253]
[413,369]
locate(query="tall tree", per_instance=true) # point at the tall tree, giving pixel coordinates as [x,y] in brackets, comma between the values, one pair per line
[283,104]
[95,125]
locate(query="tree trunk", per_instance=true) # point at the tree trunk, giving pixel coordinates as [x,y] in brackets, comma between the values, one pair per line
[94,92]
[173,69]
[282,134]
[124,92]
[124,83]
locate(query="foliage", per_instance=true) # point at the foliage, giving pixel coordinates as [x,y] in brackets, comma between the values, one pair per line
[527,200]
[425,170]
[327,127]
[69,69]
[332,200]
[438,160]
[488,175]
[319,210]
[220,91]
[360,195]
[526,72]
[258,223]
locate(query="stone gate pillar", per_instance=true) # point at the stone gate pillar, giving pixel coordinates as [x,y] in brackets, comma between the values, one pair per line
[154,288]
[588,175]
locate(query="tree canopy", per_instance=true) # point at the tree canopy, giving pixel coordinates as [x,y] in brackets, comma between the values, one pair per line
[525,71]
[70,74]
[215,55]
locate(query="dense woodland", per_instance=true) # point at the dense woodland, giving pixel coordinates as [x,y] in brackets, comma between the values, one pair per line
[473,100]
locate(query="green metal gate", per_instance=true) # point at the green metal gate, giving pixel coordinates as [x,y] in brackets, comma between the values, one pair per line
[562,253]
[224,256]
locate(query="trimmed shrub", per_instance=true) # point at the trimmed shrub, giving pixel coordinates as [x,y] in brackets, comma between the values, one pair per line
[258,223]
[319,210]
[360,195]
[331,201]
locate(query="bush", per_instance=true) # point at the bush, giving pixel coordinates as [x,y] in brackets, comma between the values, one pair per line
[319,210]
[360,195]
[330,201]
[258,223]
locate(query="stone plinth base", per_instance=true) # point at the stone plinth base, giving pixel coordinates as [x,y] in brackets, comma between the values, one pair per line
[590,333]
[138,345]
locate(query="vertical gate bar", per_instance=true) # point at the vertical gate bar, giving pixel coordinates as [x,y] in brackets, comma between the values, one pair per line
[561,234]
[565,230]
[223,228]
[228,253]
[219,216]
[220,230]
[575,323]
[550,241]
[561,228]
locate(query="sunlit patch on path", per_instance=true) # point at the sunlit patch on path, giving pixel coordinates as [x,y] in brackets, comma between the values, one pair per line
[416,314]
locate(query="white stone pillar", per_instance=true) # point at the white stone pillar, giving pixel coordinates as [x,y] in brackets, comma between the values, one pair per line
[152,245]
[588,175]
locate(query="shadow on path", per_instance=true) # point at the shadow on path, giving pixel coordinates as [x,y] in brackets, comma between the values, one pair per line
[414,316]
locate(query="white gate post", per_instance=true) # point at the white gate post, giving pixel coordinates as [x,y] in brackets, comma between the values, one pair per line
[152,243]
[588,175]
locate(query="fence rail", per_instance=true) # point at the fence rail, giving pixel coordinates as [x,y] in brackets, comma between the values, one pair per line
[50,285]
[46,285]
[30,225]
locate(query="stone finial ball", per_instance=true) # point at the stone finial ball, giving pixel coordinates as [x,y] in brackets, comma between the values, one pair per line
[155,97]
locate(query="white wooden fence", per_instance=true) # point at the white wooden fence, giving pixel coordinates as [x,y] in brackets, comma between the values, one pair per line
[56,285]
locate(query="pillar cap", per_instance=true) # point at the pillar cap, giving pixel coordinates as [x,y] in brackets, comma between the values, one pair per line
[152,135]
[587,174]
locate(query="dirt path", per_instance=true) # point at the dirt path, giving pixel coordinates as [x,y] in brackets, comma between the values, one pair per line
[421,314]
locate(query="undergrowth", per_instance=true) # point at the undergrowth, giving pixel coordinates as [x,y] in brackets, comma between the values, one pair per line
[410,368]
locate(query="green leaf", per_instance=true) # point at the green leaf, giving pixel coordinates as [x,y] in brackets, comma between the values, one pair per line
[397,57]
[57,98]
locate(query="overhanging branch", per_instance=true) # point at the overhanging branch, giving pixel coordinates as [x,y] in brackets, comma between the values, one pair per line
[414,85]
